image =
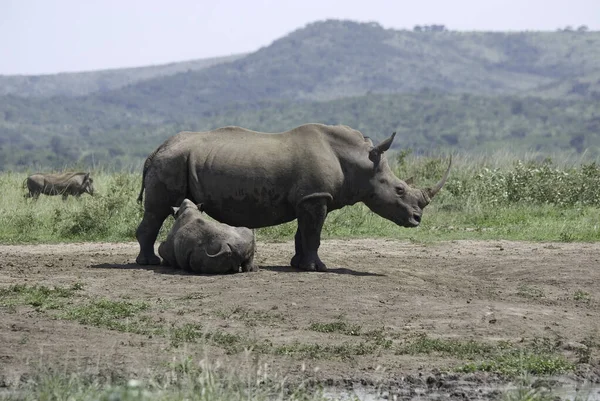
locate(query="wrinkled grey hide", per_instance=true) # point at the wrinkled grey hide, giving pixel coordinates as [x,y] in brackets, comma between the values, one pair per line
[64,184]
[252,179]
[200,245]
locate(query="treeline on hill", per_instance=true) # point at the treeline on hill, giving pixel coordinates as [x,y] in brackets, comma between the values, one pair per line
[58,136]
[437,88]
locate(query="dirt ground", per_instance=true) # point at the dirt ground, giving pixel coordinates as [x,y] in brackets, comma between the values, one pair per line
[480,290]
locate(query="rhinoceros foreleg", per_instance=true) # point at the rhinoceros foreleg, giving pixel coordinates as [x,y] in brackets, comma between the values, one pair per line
[295,262]
[146,235]
[311,216]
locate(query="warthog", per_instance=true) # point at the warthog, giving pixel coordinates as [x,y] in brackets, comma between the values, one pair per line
[64,184]
[252,179]
[200,245]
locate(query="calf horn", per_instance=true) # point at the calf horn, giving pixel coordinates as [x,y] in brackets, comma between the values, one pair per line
[224,250]
[431,192]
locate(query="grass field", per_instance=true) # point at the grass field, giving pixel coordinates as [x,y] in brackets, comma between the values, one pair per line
[486,198]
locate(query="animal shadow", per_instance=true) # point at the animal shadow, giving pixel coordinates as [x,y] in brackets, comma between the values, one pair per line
[335,270]
[159,269]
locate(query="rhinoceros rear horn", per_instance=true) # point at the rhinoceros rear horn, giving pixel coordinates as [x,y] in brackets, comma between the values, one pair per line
[431,192]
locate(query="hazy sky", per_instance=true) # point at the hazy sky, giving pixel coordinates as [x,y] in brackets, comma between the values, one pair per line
[49,36]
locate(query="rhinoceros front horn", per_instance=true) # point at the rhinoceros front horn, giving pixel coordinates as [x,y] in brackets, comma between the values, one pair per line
[431,192]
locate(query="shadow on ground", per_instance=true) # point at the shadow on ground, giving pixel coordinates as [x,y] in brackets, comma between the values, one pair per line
[160,269]
[335,270]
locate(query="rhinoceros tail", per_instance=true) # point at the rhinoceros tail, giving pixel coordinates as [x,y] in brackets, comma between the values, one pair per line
[146,166]
[141,195]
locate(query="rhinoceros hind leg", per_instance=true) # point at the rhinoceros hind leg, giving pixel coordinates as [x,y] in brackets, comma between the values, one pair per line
[311,216]
[146,235]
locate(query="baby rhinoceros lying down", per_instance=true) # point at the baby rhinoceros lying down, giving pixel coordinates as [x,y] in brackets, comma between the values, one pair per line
[200,245]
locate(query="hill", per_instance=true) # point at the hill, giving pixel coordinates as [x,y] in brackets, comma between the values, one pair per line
[83,83]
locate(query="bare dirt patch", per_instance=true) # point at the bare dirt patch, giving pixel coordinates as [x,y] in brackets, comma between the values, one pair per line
[386,291]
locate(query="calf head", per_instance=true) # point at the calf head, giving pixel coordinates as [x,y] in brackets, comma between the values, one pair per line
[393,198]
[186,205]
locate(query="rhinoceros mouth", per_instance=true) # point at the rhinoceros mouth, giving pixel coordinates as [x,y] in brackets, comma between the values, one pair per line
[411,222]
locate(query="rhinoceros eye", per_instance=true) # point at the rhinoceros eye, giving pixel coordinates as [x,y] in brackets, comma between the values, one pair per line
[400,190]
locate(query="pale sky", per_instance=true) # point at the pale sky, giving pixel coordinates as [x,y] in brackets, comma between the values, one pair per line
[50,36]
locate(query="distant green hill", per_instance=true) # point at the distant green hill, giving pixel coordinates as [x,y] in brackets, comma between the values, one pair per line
[118,138]
[83,83]
[467,90]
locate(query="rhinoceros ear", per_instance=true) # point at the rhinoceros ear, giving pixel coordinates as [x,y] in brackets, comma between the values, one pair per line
[200,207]
[376,151]
[410,181]
[86,177]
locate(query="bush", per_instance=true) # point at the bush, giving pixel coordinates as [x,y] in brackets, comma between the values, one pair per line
[535,183]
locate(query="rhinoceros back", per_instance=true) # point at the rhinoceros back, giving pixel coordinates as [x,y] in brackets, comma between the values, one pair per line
[251,179]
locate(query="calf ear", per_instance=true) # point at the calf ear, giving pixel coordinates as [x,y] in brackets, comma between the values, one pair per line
[86,177]
[410,181]
[175,210]
[200,207]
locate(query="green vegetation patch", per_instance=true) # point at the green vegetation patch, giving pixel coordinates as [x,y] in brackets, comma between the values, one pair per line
[529,291]
[251,317]
[538,357]
[343,351]
[423,344]
[38,296]
[186,333]
[582,296]
[336,327]
[113,315]
[515,363]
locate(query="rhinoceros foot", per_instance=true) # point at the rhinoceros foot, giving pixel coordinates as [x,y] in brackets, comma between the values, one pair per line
[307,264]
[295,262]
[147,260]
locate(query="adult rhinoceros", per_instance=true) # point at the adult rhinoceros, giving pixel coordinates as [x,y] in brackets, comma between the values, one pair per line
[252,179]
[59,184]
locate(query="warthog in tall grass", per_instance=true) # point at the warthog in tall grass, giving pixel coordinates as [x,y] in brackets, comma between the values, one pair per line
[64,184]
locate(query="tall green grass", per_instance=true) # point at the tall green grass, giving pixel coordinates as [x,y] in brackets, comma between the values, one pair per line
[184,379]
[492,197]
